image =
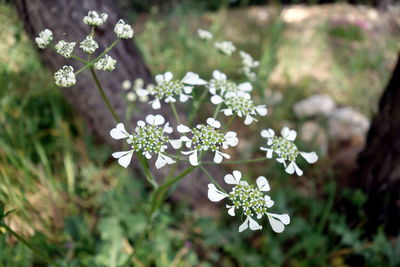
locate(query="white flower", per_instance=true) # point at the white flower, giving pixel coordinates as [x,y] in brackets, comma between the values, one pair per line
[105,63]
[225,47]
[220,85]
[94,19]
[65,48]
[250,200]
[126,85]
[89,45]
[123,30]
[65,77]
[44,39]
[169,89]
[204,35]
[285,149]
[149,138]
[131,96]
[205,138]
[248,64]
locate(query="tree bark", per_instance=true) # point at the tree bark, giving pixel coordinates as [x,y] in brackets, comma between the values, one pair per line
[64,19]
[378,171]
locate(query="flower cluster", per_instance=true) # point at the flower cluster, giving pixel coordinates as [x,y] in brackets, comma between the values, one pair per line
[225,47]
[44,39]
[149,138]
[94,19]
[169,89]
[205,138]
[204,35]
[131,94]
[285,149]
[89,45]
[248,64]
[65,77]
[250,200]
[65,48]
[123,30]
[237,98]
[106,63]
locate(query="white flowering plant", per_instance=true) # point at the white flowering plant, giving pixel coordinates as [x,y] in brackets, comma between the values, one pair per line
[164,144]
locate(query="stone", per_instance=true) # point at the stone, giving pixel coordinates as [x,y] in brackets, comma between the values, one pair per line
[320,104]
[346,124]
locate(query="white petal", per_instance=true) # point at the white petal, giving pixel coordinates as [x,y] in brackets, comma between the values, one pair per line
[168,76]
[231,138]
[233,178]
[216,99]
[218,157]
[159,78]
[155,119]
[254,225]
[167,129]
[245,87]
[268,201]
[228,112]
[193,78]
[119,132]
[219,75]
[160,162]
[214,123]
[249,119]
[214,194]
[188,89]
[193,159]
[124,157]
[183,98]
[263,184]
[155,104]
[244,225]
[288,134]
[142,92]
[262,110]
[231,210]
[141,123]
[290,168]
[278,222]
[183,129]
[176,143]
[285,131]
[268,133]
[310,157]
[147,155]
[299,172]
[269,152]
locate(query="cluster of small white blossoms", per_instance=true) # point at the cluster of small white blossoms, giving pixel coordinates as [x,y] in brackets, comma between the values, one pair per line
[106,63]
[131,94]
[237,98]
[44,39]
[248,64]
[149,138]
[65,77]
[225,47]
[205,138]
[285,149]
[89,45]
[250,200]
[94,19]
[65,48]
[204,35]
[169,89]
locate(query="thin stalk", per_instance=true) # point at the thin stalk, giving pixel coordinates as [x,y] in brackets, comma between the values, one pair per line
[229,123]
[26,243]
[79,59]
[212,179]
[216,111]
[196,106]
[237,161]
[178,120]
[103,95]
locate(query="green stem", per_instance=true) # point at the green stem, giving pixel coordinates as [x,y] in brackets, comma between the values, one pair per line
[237,161]
[197,104]
[26,243]
[79,59]
[216,111]
[212,179]
[103,95]
[178,120]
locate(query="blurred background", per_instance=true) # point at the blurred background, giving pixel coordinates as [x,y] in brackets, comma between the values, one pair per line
[324,66]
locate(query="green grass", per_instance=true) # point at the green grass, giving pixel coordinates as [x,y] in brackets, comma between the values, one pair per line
[81,209]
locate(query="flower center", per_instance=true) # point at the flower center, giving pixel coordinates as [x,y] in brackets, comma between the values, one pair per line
[206,137]
[250,199]
[239,104]
[148,139]
[284,148]
[224,86]
[168,89]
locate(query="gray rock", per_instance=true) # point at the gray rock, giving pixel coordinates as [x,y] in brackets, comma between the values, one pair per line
[312,132]
[346,124]
[320,104]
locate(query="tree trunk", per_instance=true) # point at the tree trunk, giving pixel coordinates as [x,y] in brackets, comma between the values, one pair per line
[64,19]
[378,171]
